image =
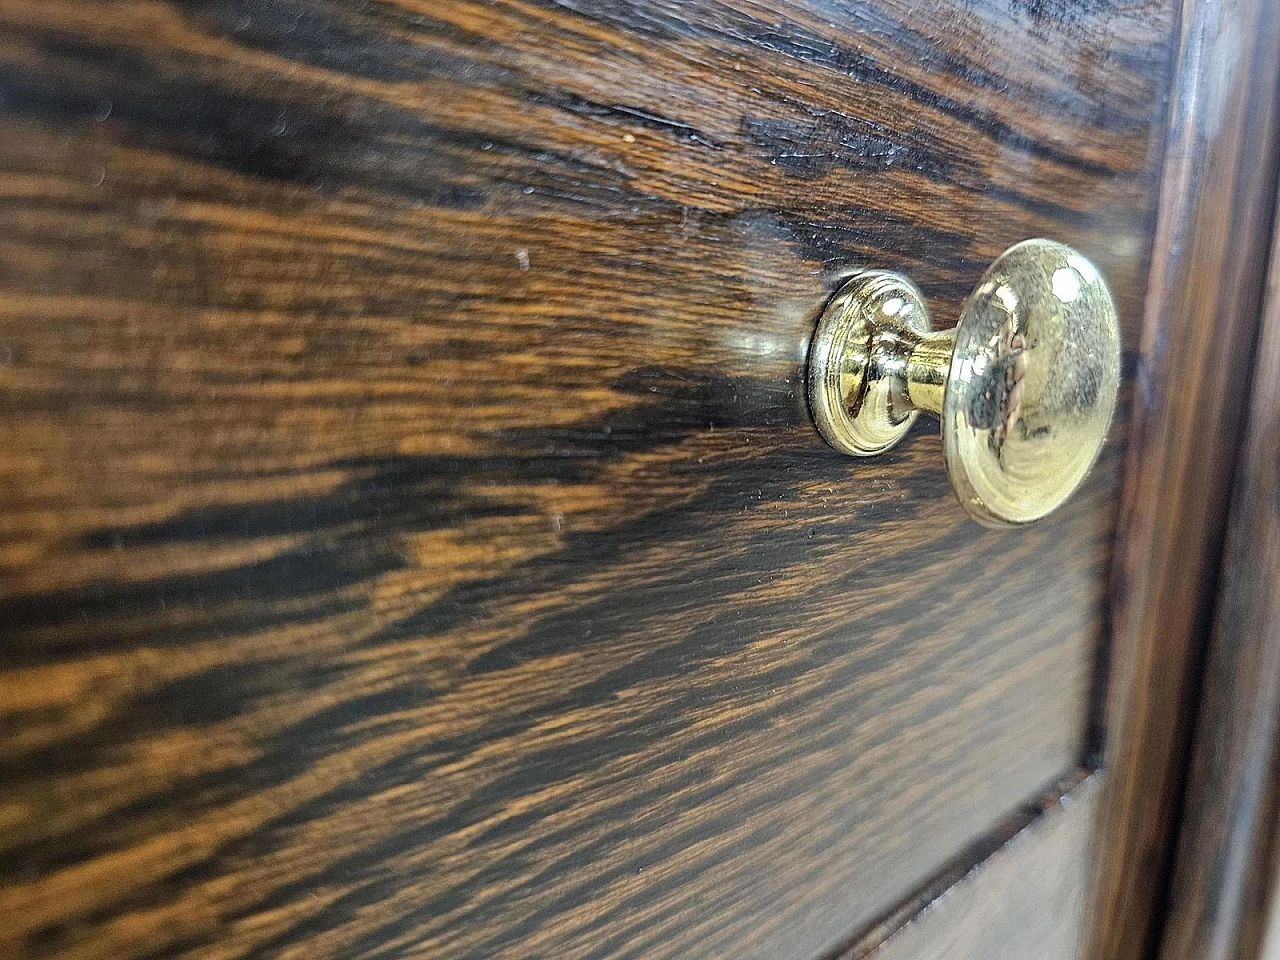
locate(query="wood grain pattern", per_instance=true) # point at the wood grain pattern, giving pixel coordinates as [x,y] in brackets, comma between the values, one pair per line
[1224,881]
[1208,273]
[414,541]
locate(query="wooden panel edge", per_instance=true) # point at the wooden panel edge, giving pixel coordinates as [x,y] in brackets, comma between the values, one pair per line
[1006,899]
[969,865]
[1206,281]
[1223,875]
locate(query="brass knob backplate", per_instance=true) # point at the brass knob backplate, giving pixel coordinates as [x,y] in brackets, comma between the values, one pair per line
[1025,385]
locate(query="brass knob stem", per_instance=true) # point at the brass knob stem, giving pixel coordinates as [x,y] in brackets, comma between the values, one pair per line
[927,369]
[1024,386]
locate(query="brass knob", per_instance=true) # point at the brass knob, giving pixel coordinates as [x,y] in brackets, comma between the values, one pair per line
[1025,385]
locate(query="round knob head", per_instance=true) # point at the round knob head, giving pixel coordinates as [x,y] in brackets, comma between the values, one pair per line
[1032,385]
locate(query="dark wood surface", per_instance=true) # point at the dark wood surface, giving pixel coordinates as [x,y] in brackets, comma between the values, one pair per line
[414,539]
[1208,273]
[1224,880]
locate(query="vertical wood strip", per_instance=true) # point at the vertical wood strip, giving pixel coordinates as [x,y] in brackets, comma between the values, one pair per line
[1202,310]
[1223,875]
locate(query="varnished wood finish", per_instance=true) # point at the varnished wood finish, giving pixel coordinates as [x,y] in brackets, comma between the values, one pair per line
[414,540]
[971,873]
[1025,899]
[1224,881]
[1207,277]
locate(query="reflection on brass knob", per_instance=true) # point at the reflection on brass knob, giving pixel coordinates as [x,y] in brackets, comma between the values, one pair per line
[1025,384]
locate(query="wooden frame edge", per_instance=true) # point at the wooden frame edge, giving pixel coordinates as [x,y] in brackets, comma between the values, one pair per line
[1206,280]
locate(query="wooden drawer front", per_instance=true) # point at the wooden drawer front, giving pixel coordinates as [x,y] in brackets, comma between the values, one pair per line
[415,540]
